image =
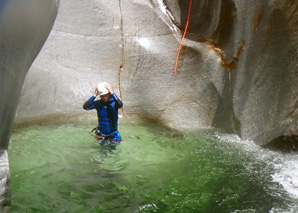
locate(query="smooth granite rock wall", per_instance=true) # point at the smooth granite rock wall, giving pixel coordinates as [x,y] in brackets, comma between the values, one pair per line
[237,69]
[24,27]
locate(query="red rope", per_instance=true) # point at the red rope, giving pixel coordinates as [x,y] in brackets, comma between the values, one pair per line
[180,46]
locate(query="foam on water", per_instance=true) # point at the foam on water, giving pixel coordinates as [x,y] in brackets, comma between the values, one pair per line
[285,165]
[287,174]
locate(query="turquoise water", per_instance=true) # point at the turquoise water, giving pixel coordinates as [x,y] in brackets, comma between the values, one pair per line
[62,168]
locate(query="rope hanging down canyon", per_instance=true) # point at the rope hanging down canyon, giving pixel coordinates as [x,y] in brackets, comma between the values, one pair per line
[180,46]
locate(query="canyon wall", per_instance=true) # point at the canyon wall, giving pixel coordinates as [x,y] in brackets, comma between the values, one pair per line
[24,27]
[237,69]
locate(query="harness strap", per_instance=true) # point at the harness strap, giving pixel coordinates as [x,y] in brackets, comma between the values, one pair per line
[110,113]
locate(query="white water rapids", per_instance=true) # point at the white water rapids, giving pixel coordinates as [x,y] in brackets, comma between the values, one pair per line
[285,165]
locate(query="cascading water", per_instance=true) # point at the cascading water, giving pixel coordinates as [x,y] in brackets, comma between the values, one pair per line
[237,72]
[59,168]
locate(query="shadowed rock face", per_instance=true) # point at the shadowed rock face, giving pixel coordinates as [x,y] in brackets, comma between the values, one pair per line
[24,26]
[237,68]
[258,48]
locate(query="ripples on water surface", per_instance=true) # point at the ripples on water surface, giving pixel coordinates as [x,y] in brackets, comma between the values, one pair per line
[61,168]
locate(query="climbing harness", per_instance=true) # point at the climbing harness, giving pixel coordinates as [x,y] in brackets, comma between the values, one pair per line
[114,138]
[94,129]
[185,30]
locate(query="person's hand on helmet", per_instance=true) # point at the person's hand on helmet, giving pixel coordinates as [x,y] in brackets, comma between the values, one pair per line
[109,88]
[95,92]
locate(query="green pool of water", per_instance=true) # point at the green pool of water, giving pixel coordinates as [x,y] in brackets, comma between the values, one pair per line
[62,168]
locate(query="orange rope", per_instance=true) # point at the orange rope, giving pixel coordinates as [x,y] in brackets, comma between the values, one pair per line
[180,46]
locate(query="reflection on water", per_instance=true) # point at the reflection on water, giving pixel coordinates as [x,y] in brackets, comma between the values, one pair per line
[61,168]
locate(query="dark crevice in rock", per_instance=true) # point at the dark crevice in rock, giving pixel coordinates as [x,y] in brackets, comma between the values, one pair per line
[284,143]
[121,67]
[209,19]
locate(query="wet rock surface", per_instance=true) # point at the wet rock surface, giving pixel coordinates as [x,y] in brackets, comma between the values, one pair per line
[24,26]
[237,68]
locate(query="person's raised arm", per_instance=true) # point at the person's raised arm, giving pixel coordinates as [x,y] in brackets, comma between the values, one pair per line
[95,92]
[89,104]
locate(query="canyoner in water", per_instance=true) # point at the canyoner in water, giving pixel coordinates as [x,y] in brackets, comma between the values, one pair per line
[107,112]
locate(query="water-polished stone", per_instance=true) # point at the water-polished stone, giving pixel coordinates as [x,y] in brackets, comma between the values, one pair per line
[237,68]
[24,26]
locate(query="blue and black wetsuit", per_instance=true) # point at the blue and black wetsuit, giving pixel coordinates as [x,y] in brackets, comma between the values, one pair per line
[107,114]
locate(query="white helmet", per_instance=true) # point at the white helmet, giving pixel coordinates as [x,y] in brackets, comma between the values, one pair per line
[101,88]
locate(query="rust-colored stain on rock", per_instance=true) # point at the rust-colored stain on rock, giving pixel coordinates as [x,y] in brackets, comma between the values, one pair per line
[257,19]
[229,64]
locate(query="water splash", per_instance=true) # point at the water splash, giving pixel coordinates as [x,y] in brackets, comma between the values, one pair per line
[284,165]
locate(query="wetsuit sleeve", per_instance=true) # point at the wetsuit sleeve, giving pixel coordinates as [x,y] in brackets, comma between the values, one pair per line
[89,104]
[117,100]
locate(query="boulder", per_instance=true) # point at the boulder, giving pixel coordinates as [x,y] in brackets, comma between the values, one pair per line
[24,27]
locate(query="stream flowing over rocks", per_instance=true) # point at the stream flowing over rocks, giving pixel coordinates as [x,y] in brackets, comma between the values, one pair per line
[237,69]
